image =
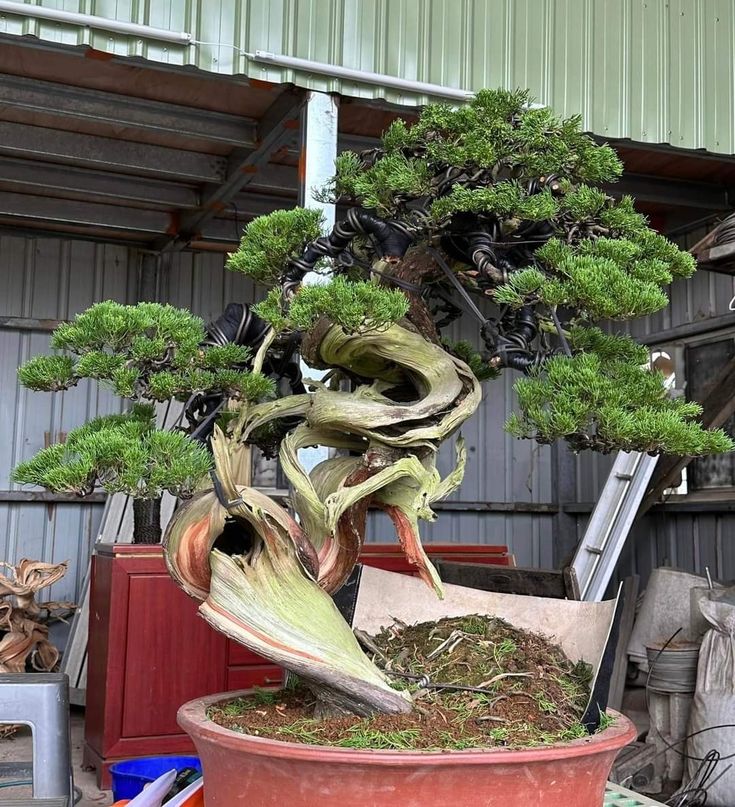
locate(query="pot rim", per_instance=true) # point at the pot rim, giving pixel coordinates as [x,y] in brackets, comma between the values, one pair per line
[192,717]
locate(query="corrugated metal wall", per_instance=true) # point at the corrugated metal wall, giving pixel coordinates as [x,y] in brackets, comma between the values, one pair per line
[49,279]
[689,541]
[648,70]
[54,279]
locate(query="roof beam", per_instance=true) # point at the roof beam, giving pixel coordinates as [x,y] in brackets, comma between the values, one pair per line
[19,211]
[18,208]
[662,148]
[673,192]
[73,103]
[89,185]
[274,128]
[108,154]
[229,228]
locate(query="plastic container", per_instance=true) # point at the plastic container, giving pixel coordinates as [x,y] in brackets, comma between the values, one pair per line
[130,776]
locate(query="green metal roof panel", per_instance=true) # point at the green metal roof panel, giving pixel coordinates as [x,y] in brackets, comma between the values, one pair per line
[655,71]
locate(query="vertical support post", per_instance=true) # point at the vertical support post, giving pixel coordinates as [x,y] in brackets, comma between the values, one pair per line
[148,277]
[563,480]
[319,123]
[319,131]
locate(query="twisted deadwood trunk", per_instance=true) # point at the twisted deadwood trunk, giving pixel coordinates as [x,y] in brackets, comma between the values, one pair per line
[271,594]
[23,628]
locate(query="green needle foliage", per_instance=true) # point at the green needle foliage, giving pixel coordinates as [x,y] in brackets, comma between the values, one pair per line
[606,399]
[48,373]
[507,199]
[356,306]
[502,167]
[496,132]
[610,277]
[120,454]
[145,351]
[379,185]
[270,241]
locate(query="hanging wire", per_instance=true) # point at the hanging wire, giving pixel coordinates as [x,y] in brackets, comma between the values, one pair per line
[694,793]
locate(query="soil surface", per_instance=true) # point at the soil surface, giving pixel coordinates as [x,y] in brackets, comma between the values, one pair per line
[524,692]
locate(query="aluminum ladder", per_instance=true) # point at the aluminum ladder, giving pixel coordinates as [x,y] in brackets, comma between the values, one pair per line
[610,522]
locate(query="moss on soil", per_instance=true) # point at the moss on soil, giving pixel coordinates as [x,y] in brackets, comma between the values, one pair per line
[532,693]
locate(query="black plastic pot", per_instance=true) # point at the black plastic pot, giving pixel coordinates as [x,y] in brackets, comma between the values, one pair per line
[146,521]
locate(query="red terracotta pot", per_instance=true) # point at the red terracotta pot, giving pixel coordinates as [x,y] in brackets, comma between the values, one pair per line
[244,770]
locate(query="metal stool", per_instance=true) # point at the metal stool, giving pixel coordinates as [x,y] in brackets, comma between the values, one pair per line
[41,701]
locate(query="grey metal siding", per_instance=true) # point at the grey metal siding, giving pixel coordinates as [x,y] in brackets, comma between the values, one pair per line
[688,541]
[48,278]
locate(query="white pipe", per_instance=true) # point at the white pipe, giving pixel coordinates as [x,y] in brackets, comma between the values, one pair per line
[90,21]
[349,74]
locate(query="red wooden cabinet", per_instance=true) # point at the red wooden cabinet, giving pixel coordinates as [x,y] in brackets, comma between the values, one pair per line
[149,651]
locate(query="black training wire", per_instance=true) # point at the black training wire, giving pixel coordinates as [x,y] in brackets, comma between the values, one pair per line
[426,683]
[695,793]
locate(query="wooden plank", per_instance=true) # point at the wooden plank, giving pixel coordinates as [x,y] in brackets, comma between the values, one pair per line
[73,661]
[571,584]
[717,407]
[620,667]
[696,328]
[719,253]
[547,508]
[49,497]
[506,580]
[29,324]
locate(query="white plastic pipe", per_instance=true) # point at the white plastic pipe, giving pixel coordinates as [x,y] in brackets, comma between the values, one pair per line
[91,21]
[349,74]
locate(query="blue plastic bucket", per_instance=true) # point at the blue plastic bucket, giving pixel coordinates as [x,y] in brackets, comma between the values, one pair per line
[130,776]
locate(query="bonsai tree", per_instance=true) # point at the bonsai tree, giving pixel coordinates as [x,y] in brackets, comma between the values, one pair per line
[493,202]
[146,353]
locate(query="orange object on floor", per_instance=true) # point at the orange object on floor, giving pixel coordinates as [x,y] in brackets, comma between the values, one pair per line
[197,799]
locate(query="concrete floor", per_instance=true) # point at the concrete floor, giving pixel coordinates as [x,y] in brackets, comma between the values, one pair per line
[19,749]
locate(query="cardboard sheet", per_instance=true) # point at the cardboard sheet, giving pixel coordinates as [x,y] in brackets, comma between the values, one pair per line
[582,629]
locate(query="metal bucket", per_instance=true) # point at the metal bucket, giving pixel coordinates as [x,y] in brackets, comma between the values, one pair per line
[674,669]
